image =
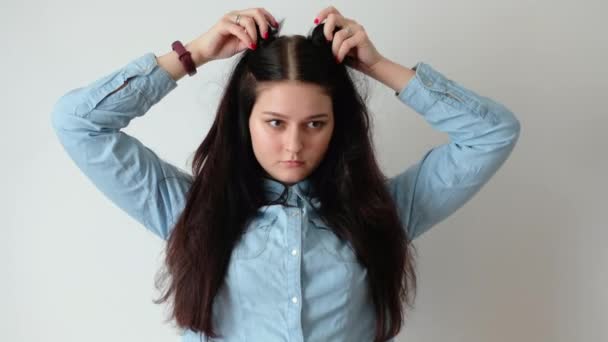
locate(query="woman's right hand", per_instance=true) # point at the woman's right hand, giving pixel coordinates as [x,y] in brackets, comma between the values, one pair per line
[226,38]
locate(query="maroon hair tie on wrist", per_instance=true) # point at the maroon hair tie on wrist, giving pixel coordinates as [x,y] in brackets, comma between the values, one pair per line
[185,57]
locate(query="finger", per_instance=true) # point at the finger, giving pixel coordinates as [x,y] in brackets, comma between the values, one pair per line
[333,20]
[339,38]
[239,32]
[271,19]
[259,17]
[249,24]
[347,45]
[325,12]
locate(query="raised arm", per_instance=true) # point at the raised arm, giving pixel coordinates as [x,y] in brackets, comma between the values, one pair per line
[482,135]
[88,122]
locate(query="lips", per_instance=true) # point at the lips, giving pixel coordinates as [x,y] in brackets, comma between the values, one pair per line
[293,162]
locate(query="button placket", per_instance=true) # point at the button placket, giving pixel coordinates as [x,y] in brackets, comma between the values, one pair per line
[294,214]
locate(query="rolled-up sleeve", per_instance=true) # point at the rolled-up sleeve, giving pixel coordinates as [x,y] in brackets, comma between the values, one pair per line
[482,135]
[88,122]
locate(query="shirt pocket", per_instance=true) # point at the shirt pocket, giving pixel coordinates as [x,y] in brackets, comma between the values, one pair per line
[255,238]
[337,249]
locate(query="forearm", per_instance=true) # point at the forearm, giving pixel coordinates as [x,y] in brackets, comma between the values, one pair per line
[391,74]
[171,63]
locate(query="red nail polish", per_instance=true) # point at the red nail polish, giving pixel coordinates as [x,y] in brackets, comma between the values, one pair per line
[253,46]
[316,20]
[266,35]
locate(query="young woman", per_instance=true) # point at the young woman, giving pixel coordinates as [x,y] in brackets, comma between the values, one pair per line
[287,230]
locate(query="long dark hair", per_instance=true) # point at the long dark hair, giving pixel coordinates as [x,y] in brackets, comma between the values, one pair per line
[227,188]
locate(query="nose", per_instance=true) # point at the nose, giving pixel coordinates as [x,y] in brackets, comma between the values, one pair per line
[294,141]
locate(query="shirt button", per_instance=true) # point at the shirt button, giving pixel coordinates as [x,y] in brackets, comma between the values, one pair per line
[294,299]
[294,252]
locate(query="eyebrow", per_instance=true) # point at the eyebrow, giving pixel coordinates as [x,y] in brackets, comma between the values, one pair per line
[285,117]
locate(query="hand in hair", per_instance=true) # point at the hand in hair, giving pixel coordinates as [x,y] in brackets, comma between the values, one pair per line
[351,45]
[227,37]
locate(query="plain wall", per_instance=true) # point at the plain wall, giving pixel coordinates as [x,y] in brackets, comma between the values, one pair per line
[525,260]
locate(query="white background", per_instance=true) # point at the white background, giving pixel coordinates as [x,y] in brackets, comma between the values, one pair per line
[525,260]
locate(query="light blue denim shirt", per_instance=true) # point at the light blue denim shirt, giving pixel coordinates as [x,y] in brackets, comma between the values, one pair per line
[290,278]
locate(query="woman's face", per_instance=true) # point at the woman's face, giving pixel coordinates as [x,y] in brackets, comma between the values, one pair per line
[290,121]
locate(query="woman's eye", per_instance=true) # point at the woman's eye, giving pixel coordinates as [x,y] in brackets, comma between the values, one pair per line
[272,121]
[319,123]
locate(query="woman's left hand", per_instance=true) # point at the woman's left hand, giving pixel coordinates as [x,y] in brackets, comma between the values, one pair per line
[351,40]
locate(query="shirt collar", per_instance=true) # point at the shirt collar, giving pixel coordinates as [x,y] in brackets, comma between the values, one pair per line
[301,189]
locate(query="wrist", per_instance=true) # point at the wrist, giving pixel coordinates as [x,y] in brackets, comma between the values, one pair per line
[377,68]
[197,58]
[391,74]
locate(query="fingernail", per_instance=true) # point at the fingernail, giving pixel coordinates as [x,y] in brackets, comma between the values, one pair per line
[316,20]
[266,35]
[253,46]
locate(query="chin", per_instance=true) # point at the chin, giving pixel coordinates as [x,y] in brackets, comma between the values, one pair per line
[292,177]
